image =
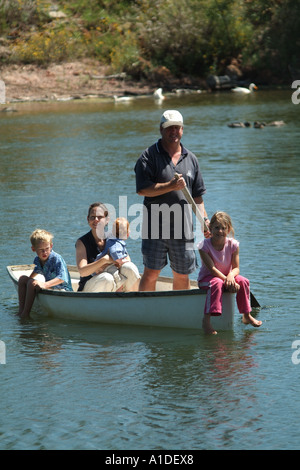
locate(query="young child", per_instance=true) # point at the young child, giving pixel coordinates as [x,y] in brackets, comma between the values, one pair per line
[125,273]
[49,264]
[220,271]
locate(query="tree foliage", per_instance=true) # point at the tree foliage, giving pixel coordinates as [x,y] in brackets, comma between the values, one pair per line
[195,37]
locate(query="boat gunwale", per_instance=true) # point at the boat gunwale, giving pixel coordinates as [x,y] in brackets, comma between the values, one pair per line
[138,294]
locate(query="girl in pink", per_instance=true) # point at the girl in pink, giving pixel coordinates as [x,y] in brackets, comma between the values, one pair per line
[220,271]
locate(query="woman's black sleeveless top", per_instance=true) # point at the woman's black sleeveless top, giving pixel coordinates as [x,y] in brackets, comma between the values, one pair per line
[92,251]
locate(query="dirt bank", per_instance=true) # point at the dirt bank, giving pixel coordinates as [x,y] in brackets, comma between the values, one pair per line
[64,81]
[73,80]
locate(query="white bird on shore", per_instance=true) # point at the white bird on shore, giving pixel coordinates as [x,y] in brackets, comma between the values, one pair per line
[158,94]
[243,90]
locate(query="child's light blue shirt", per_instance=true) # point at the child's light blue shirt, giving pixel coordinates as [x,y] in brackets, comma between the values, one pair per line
[115,247]
[55,266]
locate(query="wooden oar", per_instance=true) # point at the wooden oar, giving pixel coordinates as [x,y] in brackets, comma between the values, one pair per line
[191,201]
[254,303]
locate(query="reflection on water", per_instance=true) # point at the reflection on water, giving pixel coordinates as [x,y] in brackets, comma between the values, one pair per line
[72,386]
[147,379]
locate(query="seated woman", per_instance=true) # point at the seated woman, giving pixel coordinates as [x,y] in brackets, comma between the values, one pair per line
[93,277]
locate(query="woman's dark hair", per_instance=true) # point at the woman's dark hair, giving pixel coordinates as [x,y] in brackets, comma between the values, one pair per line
[98,204]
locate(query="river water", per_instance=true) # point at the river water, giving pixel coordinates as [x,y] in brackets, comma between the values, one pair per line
[67,385]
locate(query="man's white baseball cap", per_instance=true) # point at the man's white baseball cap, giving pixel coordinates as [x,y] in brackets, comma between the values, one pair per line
[171,118]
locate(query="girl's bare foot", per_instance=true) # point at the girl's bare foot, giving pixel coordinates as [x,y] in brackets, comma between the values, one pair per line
[248,319]
[208,329]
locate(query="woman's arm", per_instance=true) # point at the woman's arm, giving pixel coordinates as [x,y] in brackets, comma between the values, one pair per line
[85,268]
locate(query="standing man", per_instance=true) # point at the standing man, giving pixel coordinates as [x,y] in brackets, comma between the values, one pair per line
[167,221]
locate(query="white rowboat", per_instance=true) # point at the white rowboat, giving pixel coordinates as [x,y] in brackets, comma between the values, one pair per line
[162,308]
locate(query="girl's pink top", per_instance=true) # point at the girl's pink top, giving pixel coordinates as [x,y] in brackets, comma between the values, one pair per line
[222,259]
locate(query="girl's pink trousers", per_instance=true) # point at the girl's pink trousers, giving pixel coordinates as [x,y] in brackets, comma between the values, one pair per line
[215,288]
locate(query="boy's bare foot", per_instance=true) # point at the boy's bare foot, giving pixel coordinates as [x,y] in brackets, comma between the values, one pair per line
[208,329]
[248,319]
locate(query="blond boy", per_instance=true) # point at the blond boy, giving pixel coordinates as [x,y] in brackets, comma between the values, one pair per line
[49,264]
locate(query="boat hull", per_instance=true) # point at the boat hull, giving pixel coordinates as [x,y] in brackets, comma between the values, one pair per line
[163,308]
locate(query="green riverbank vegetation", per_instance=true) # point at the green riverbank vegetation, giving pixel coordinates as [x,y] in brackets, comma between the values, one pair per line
[175,37]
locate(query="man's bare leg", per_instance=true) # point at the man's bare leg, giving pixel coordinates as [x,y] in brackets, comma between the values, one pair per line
[148,280]
[180,281]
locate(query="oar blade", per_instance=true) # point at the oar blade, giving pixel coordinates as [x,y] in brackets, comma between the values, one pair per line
[254,303]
